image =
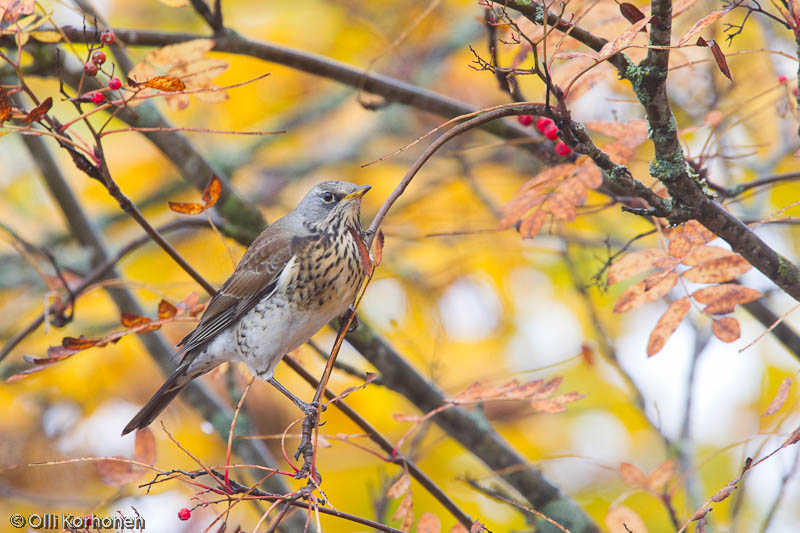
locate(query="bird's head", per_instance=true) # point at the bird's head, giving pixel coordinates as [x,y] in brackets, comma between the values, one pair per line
[331,204]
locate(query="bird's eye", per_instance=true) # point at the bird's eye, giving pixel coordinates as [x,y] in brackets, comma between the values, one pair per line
[327,197]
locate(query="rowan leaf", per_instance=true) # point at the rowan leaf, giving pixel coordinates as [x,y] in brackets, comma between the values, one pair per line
[704,253]
[622,519]
[726,329]
[661,475]
[145,447]
[630,12]
[379,239]
[212,191]
[129,320]
[780,397]
[429,523]
[632,476]
[634,263]
[704,23]
[718,270]
[722,494]
[37,113]
[166,310]
[399,487]
[667,325]
[529,226]
[638,293]
[679,6]
[187,208]
[722,299]
[11,10]
[623,40]
[5,106]
[181,53]
[719,57]
[632,133]
[164,83]
[47,36]
[405,512]
[80,343]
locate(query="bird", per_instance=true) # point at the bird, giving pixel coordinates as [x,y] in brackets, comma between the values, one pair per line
[299,274]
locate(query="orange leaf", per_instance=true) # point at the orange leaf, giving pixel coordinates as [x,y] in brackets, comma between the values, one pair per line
[399,487]
[622,519]
[703,254]
[661,475]
[145,447]
[719,57]
[378,249]
[363,253]
[638,293]
[704,23]
[632,476]
[187,208]
[130,320]
[780,397]
[531,224]
[726,329]
[164,83]
[37,113]
[684,238]
[667,325]
[5,106]
[722,299]
[634,263]
[429,523]
[212,191]
[81,343]
[166,310]
[718,270]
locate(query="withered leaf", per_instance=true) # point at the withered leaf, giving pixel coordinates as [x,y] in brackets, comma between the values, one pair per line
[634,263]
[632,476]
[723,493]
[210,196]
[532,224]
[429,523]
[704,23]
[405,512]
[187,208]
[638,293]
[164,83]
[81,343]
[726,329]
[5,106]
[166,310]
[719,57]
[718,270]
[630,12]
[145,446]
[679,6]
[623,40]
[780,397]
[721,299]
[116,473]
[379,239]
[399,487]
[661,475]
[37,113]
[703,254]
[667,325]
[130,320]
[622,519]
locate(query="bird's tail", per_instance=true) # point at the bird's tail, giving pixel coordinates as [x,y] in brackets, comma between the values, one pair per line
[179,379]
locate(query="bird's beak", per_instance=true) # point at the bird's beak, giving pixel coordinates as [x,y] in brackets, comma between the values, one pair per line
[358,193]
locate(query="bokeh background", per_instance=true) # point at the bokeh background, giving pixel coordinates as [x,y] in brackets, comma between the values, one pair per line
[462,300]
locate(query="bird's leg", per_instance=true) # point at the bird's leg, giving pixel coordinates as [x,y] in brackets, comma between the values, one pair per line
[346,314]
[307,408]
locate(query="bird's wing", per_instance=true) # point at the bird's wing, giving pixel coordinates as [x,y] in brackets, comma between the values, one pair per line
[255,277]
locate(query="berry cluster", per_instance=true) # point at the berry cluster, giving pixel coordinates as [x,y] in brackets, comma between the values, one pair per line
[93,66]
[548,128]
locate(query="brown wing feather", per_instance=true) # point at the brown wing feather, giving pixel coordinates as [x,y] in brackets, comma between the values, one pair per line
[254,277]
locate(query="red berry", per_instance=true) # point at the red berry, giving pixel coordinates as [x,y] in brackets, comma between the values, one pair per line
[99,57]
[782,79]
[551,132]
[794,91]
[108,37]
[90,69]
[97,98]
[562,149]
[184,514]
[114,84]
[525,120]
[543,123]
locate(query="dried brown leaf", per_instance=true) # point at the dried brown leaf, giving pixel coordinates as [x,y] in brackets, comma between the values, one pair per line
[634,263]
[212,191]
[399,487]
[719,57]
[37,113]
[780,397]
[556,404]
[630,12]
[81,343]
[379,240]
[704,23]
[718,270]
[667,325]
[129,320]
[429,523]
[182,53]
[722,494]
[638,293]
[661,475]
[405,512]
[164,83]
[166,310]
[679,6]
[632,476]
[721,299]
[622,519]
[703,254]
[726,329]
[5,106]
[632,133]
[145,447]
[623,40]
[529,226]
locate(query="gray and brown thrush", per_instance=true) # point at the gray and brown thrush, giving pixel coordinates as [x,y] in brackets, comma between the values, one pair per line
[297,275]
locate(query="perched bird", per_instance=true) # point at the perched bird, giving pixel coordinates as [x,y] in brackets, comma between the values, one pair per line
[298,275]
